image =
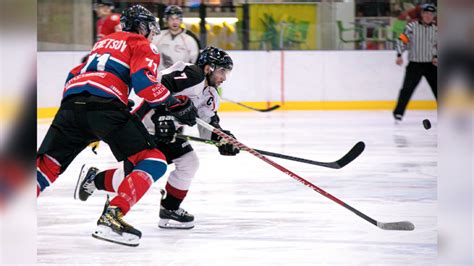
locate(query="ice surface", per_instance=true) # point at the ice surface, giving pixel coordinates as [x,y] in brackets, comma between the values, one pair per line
[248,212]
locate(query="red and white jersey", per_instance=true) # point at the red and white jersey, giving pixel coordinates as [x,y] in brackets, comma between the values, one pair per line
[108,25]
[117,63]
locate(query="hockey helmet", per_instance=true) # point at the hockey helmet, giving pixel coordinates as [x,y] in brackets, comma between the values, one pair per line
[139,20]
[105,2]
[215,57]
[428,8]
[173,10]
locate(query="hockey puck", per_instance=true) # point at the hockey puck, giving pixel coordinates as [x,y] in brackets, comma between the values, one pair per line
[426,124]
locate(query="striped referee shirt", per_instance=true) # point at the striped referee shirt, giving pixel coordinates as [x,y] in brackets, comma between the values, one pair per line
[420,40]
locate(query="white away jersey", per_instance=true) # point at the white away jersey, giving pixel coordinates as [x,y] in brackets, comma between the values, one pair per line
[189,80]
[174,48]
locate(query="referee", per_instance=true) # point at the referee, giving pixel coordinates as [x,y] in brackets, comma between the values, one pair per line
[420,39]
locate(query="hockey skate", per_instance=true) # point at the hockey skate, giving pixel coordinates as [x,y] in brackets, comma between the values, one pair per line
[85,183]
[111,227]
[174,219]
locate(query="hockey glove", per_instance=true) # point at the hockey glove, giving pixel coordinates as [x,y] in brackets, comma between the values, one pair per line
[165,131]
[130,105]
[184,111]
[215,121]
[225,149]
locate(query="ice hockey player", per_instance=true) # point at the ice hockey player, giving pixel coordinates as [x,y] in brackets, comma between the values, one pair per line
[176,43]
[94,106]
[199,83]
[108,21]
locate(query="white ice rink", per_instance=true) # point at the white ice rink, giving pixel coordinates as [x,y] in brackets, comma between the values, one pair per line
[249,213]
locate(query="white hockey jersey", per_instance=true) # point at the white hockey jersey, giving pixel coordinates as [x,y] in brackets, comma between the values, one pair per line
[189,80]
[174,48]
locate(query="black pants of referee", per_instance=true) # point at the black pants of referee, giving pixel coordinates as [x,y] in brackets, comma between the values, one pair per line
[413,74]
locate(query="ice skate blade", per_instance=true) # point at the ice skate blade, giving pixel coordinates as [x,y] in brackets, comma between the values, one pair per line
[82,175]
[106,233]
[171,224]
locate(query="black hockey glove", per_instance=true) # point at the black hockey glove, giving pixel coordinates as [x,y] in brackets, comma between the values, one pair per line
[226,149]
[130,105]
[215,121]
[184,111]
[165,131]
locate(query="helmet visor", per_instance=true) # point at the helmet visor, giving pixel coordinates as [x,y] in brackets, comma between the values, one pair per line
[154,27]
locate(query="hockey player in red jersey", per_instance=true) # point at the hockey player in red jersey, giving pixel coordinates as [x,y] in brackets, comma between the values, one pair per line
[94,107]
[108,21]
[199,83]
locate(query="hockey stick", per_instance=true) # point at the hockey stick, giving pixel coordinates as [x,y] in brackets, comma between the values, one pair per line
[345,160]
[252,108]
[404,225]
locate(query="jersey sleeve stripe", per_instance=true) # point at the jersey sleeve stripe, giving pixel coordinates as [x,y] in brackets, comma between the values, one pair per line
[161,99]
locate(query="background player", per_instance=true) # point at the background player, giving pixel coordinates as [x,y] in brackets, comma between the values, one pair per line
[199,83]
[108,21]
[94,106]
[176,43]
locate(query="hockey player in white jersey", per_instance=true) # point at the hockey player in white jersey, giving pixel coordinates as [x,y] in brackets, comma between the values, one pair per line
[199,83]
[176,43]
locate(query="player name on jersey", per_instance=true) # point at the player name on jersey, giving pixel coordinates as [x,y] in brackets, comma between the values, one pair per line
[120,45]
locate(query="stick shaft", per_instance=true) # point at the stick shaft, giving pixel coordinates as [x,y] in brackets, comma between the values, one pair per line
[286,171]
[252,108]
[332,165]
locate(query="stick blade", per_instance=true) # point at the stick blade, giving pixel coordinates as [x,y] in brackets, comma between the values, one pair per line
[351,155]
[270,109]
[399,226]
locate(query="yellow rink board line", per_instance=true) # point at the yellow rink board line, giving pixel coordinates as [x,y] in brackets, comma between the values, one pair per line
[49,112]
[334,105]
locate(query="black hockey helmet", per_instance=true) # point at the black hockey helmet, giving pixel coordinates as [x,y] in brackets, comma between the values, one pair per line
[173,10]
[105,2]
[137,18]
[215,57]
[428,8]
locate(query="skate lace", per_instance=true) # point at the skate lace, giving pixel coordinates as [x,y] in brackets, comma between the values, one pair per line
[113,219]
[88,187]
[120,219]
[181,212]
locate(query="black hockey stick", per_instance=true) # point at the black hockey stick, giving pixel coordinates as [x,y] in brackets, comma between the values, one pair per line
[345,160]
[403,225]
[252,108]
